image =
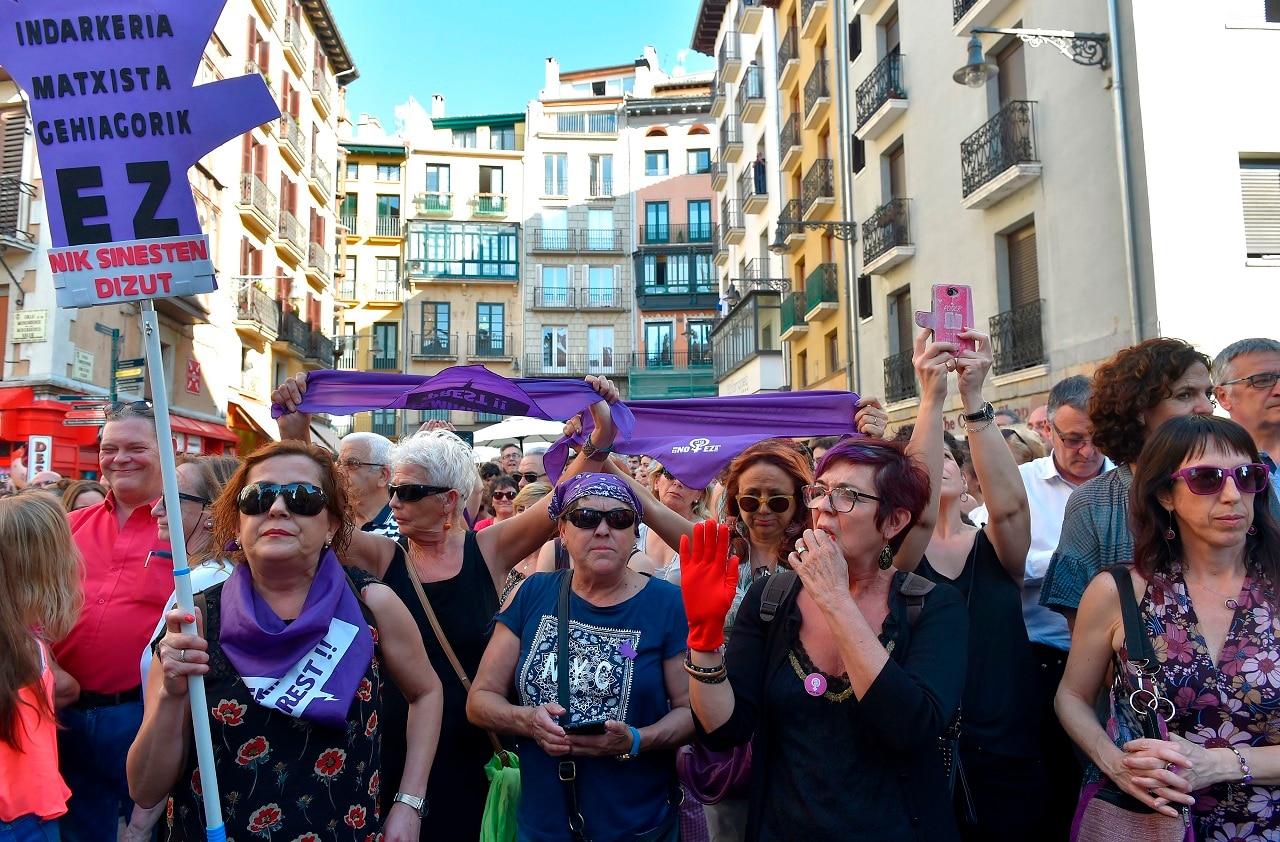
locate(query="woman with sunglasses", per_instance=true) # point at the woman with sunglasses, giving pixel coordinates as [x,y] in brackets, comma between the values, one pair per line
[844,684]
[609,758]
[1001,795]
[1205,567]
[502,495]
[294,653]
[1134,392]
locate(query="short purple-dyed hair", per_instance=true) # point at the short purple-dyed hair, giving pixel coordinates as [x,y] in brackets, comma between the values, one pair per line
[900,481]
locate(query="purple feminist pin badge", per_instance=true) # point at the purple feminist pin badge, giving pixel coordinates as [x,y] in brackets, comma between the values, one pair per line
[815,684]
[627,650]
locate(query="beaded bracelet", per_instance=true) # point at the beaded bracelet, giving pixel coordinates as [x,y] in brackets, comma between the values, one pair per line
[1244,767]
[718,678]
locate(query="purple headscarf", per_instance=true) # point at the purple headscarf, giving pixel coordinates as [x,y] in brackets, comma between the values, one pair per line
[592,485]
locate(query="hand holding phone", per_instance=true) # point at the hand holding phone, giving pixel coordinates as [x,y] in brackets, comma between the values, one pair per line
[585,729]
[952,312]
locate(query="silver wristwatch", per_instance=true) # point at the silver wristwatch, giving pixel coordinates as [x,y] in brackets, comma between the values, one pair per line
[419,805]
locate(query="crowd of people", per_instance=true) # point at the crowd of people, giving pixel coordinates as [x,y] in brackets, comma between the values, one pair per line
[891,635]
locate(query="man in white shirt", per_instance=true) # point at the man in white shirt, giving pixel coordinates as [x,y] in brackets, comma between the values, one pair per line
[1072,461]
[1247,374]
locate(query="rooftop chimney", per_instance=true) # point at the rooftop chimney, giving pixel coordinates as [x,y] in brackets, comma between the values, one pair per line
[437,106]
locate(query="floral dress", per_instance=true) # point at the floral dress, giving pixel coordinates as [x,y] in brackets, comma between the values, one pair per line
[1233,703]
[281,778]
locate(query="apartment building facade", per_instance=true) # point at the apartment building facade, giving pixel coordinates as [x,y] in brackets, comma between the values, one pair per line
[265,201]
[465,183]
[673,147]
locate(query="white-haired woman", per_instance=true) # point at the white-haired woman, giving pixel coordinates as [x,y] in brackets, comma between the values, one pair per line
[460,573]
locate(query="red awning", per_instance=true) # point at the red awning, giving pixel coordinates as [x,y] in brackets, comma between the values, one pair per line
[194,427]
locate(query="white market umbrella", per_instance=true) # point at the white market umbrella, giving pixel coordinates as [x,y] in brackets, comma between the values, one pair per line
[521,427]
[483,453]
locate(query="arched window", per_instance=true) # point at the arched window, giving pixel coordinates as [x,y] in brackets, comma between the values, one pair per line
[698,129]
[656,131]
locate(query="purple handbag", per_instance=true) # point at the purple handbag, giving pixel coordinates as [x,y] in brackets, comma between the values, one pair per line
[711,776]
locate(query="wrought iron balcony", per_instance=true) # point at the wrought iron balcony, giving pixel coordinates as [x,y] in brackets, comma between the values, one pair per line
[251,66]
[881,85]
[899,377]
[816,88]
[822,288]
[730,53]
[1004,141]
[1017,341]
[719,175]
[730,133]
[348,222]
[321,88]
[887,228]
[554,298]
[295,40]
[959,8]
[320,348]
[387,226]
[347,289]
[601,188]
[818,184]
[731,218]
[793,312]
[434,343]
[556,186]
[679,234]
[388,360]
[753,186]
[292,135]
[318,259]
[601,239]
[697,357]
[789,138]
[15,212]
[788,51]
[760,268]
[295,331]
[434,202]
[751,92]
[491,204]
[599,298]
[384,424]
[788,221]
[386,289]
[258,196]
[551,239]
[558,364]
[254,305]
[490,345]
[292,231]
[321,174]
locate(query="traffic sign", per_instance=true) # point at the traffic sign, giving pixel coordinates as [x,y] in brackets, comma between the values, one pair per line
[134,363]
[123,374]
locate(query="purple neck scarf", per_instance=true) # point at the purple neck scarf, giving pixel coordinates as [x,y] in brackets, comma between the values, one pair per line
[311,668]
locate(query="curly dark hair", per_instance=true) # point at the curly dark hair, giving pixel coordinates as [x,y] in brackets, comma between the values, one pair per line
[791,459]
[1130,383]
[226,511]
[1166,450]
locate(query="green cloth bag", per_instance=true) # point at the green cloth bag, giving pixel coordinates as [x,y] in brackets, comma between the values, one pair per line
[499,821]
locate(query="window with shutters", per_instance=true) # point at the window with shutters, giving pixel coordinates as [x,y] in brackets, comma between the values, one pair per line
[1024,271]
[14,193]
[1017,339]
[899,375]
[1260,190]
[864,297]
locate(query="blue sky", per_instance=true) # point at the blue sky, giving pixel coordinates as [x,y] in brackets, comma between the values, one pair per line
[487,56]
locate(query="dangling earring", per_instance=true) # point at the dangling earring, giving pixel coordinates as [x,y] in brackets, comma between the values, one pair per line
[1252,530]
[964,492]
[886,558]
[447,526]
[1169,534]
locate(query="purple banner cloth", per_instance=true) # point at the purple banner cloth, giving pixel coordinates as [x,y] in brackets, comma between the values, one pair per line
[469,388]
[310,668]
[696,438]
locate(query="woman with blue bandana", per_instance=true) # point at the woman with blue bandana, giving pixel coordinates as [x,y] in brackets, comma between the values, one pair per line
[605,768]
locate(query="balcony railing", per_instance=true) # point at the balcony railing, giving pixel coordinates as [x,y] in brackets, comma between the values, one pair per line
[348,221]
[681,287]
[751,89]
[293,135]
[384,425]
[573,365]
[291,229]
[587,122]
[819,183]
[254,193]
[697,357]
[490,204]
[434,343]
[556,187]
[387,226]
[889,227]
[601,239]
[881,85]
[320,347]
[321,173]
[554,298]
[793,310]
[822,286]
[386,289]
[489,345]
[695,232]
[252,304]
[730,51]
[599,298]
[601,188]
[815,87]
[789,137]
[388,360]
[294,39]
[347,289]
[899,377]
[754,182]
[320,86]
[295,331]
[959,8]
[730,216]
[318,258]
[551,239]
[251,66]
[730,131]
[788,49]
[806,6]
[1005,140]
[1016,339]
[759,268]
[434,201]
[789,220]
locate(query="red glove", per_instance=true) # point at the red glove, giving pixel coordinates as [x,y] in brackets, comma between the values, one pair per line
[708,582]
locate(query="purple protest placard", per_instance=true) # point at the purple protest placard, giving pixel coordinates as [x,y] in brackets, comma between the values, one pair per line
[118,122]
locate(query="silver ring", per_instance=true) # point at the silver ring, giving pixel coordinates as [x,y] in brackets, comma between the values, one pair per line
[800,547]
[183,656]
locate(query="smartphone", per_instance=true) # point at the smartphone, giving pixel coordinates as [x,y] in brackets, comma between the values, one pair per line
[585,729]
[952,312]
